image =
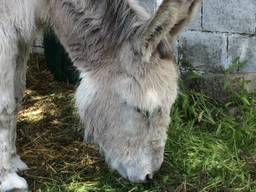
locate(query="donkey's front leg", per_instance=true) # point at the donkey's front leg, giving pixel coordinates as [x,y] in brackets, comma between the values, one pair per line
[9,161]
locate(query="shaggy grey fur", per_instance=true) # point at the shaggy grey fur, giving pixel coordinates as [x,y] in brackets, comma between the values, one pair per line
[128,72]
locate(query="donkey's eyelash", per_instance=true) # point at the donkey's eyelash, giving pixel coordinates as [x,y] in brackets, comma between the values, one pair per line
[138,110]
[144,112]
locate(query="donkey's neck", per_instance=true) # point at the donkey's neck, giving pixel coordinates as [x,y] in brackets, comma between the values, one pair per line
[91,30]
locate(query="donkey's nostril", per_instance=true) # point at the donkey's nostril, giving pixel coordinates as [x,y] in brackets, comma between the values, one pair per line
[149,177]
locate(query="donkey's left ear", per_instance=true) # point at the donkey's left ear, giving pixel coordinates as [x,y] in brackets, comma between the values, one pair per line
[169,20]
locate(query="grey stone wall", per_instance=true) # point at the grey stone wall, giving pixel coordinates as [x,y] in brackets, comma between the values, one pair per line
[150,5]
[222,31]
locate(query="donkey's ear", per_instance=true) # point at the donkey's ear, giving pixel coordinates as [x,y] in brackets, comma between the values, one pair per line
[171,17]
[183,23]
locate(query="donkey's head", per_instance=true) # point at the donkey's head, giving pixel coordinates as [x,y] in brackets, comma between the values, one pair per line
[125,105]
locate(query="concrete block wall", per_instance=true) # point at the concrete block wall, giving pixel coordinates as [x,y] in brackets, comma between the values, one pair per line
[222,31]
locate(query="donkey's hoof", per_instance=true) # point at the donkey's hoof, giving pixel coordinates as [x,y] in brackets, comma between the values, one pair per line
[19,165]
[13,183]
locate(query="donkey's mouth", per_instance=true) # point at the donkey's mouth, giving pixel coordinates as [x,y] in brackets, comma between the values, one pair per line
[134,174]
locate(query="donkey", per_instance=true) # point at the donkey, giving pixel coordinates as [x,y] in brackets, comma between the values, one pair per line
[128,76]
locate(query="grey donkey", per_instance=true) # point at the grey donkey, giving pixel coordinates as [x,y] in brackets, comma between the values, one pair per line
[128,76]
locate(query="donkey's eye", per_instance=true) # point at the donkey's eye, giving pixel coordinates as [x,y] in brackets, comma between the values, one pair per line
[138,110]
[143,112]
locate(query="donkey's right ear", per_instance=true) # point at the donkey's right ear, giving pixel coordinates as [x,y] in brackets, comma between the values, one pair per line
[184,21]
[169,20]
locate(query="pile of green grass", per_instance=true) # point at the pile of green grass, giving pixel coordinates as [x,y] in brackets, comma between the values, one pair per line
[211,145]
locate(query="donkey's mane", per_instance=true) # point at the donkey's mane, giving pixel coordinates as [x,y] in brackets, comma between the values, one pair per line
[113,21]
[121,19]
